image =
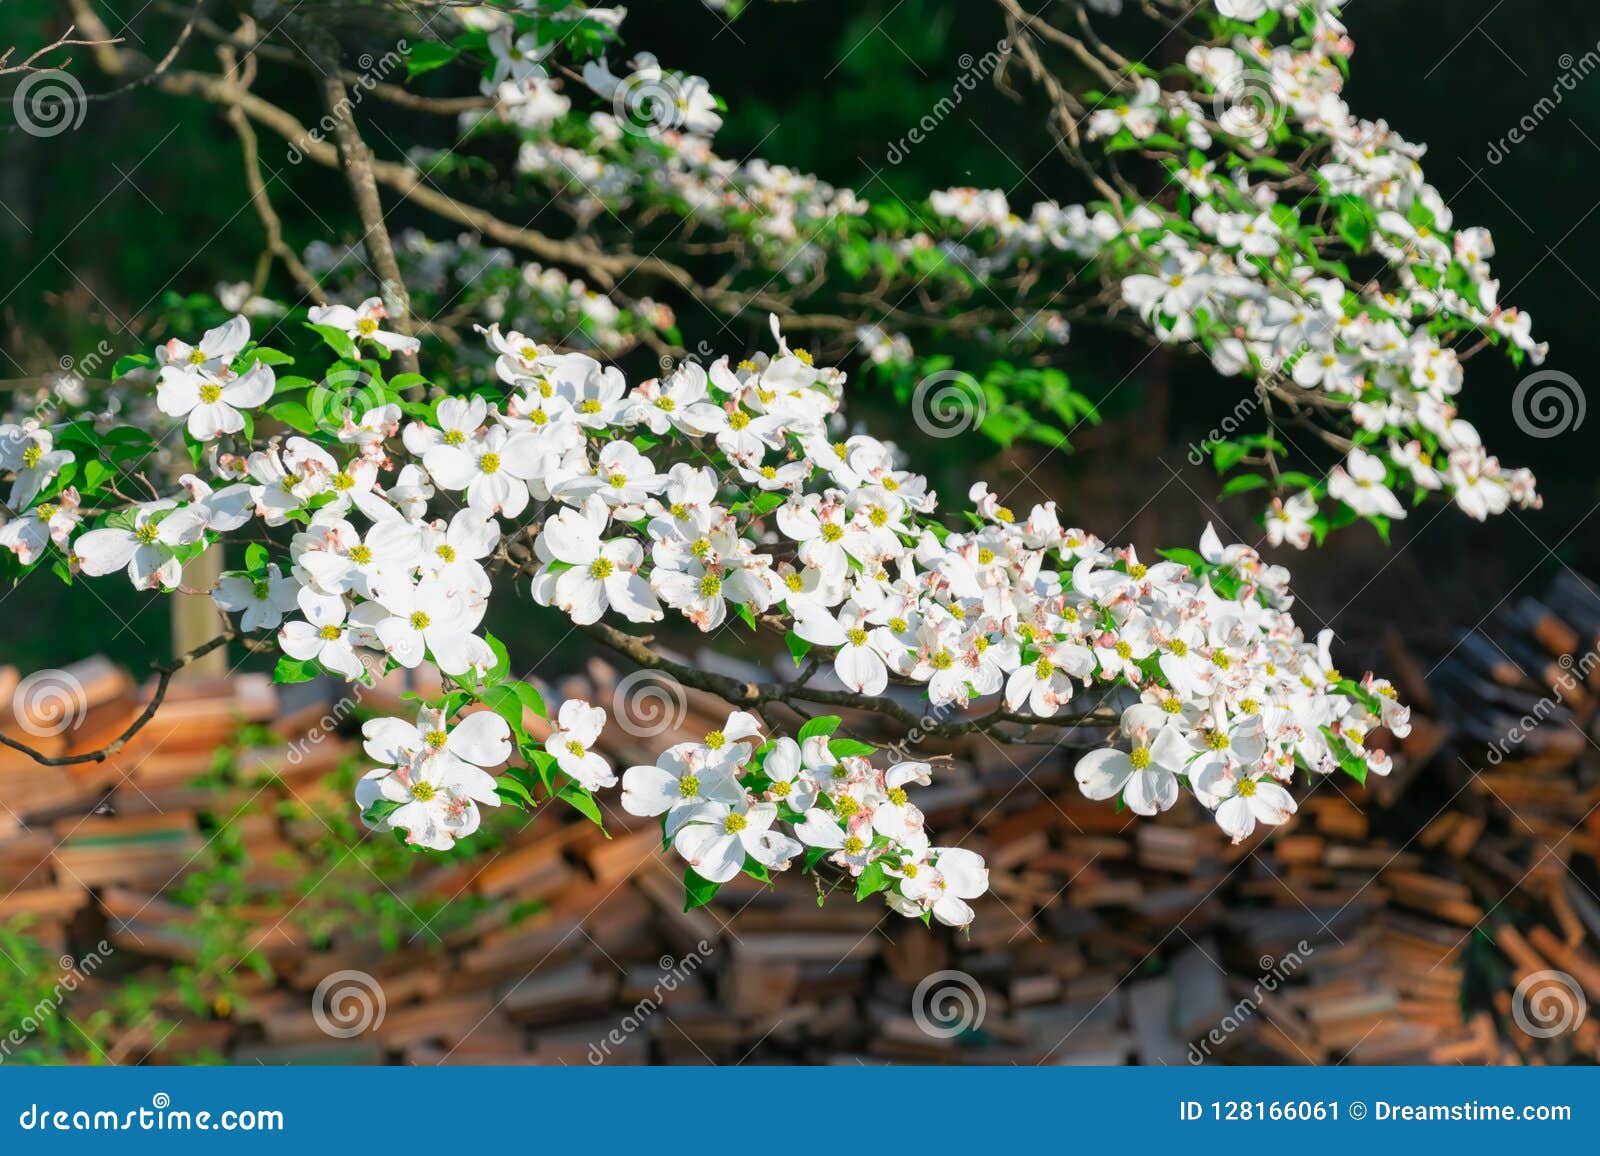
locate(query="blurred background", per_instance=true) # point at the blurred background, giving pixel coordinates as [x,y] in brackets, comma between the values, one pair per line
[109,228]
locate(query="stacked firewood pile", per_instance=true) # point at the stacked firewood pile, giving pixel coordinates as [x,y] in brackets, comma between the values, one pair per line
[1449,913]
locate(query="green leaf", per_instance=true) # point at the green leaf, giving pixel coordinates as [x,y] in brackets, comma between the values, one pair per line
[824,724]
[1184,557]
[381,810]
[255,557]
[1351,763]
[295,670]
[294,415]
[697,892]
[850,748]
[530,698]
[337,340]
[429,55]
[515,793]
[505,703]
[583,802]
[502,661]
[872,880]
[798,647]
[1243,484]
[131,362]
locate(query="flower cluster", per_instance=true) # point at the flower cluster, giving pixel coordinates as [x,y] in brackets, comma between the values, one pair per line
[723,495]
[720,801]
[1294,243]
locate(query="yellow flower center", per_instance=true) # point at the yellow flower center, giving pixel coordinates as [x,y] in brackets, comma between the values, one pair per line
[489,463]
[941,660]
[666,404]
[879,516]
[857,636]
[601,568]
[678,510]
[794,582]
[616,481]
[367,326]
[148,533]
[343,481]
[328,633]
[1139,757]
[210,392]
[454,437]
[897,796]
[575,749]
[1217,740]
[899,625]
[1178,647]
[31,456]
[420,621]
[1247,787]
[710,586]
[196,357]
[446,552]
[1044,668]
[733,824]
[46,511]
[768,472]
[716,740]
[360,555]
[832,532]
[738,420]
[781,789]
[985,556]
[847,806]
[423,792]
[853,845]
[689,786]
[590,406]
[1004,514]
[1138,570]
[436,739]
[1124,651]
[1249,706]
